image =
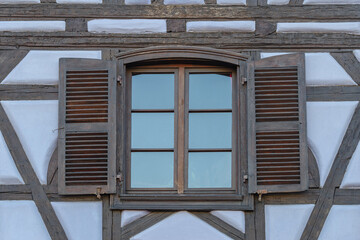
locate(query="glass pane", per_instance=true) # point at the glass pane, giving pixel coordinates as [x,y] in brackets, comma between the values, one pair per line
[152,169]
[153,91]
[210,130]
[209,170]
[152,130]
[209,91]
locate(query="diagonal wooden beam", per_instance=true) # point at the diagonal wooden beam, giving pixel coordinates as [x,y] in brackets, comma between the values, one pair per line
[350,63]
[220,225]
[8,61]
[28,174]
[337,172]
[142,224]
[53,169]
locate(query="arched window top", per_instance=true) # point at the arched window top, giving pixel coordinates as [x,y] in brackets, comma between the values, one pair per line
[181,52]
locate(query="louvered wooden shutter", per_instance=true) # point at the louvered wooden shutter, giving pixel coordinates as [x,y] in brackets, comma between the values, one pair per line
[87,131]
[277,157]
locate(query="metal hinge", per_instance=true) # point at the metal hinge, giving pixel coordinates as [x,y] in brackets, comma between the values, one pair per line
[98,192]
[120,177]
[119,80]
[261,192]
[243,80]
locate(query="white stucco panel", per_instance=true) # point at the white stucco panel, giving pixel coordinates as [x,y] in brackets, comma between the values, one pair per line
[222,26]
[352,176]
[180,226]
[134,2]
[32,26]
[357,54]
[320,27]
[21,220]
[8,171]
[18,1]
[184,2]
[231,2]
[136,26]
[321,69]
[80,1]
[326,125]
[286,222]
[234,218]
[42,67]
[80,220]
[342,223]
[35,123]
[278,2]
[128,216]
[331,1]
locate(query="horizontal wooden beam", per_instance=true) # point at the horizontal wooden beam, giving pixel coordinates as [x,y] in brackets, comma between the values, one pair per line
[228,40]
[28,92]
[333,93]
[276,13]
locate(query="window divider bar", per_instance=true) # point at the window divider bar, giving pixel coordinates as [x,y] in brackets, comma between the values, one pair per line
[152,150]
[152,110]
[211,150]
[210,110]
[181,131]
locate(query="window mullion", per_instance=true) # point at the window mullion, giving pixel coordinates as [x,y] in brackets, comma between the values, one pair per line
[181,131]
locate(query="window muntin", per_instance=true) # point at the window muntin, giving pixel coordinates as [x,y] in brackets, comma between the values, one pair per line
[198,165]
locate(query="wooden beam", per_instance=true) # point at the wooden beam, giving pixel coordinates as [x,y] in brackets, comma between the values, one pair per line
[28,92]
[8,61]
[347,196]
[333,93]
[307,197]
[143,223]
[259,220]
[92,11]
[296,2]
[28,174]
[220,225]
[106,218]
[53,169]
[350,64]
[337,171]
[225,40]
[314,174]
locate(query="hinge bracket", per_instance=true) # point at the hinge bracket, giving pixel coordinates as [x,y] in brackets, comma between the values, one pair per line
[120,177]
[261,192]
[119,80]
[98,192]
[243,80]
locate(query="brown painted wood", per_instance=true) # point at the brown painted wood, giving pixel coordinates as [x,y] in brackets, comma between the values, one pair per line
[264,28]
[228,40]
[333,93]
[76,25]
[276,13]
[28,92]
[176,25]
[336,174]
[350,64]
[52,168]
[143,223]
[8,61]
[220,225]
[28,174]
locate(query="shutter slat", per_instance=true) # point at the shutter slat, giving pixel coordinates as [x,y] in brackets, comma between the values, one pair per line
[277,136]
[87,139]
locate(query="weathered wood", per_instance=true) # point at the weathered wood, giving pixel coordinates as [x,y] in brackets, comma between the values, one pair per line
[119,2]
[251,2]
[314,175]
[28,174]
[347,196]
[176,25]
[143,223]
[210,1]
[262,2]
[259,220]
[350,64]
[106,218]
[250,225]
[48,1]
[116,225]
[220,225]
[52,168]
[228,40]
[307,197]
[336,174]
[160,11]
[28,92]
[8,61]
[157,2]
[296,2]
[333,93]
[76,25]
[264,28]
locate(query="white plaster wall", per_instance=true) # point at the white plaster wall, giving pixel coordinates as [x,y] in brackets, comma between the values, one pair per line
[220,26]
[332,2]
[321,69]
[128,216]
[42,67]
[35,123]
[234,218]
[320,27]
[32,26]
[231,2]
[18,1]
[21,220]
[352,176]
[286,222]
[134,2]
[8,171]
[80,220]
[80,1]
[357,54]
[184,2]
[342,223]
[181,226]
[278,2]
[326,125]
[127,26]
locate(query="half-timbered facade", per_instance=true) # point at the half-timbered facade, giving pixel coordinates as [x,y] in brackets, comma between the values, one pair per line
[180,119]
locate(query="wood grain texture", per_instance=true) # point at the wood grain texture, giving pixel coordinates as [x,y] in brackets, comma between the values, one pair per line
[28,92]
[350,64]
[28,174]
[52,168]
[76,25]
[314,174]
[106,218]
[8,61]
[336,174]
[296,2]
[220,225]
[333,93]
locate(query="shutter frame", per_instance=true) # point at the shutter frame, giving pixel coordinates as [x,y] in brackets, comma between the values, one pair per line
[103,128]
[266,125]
